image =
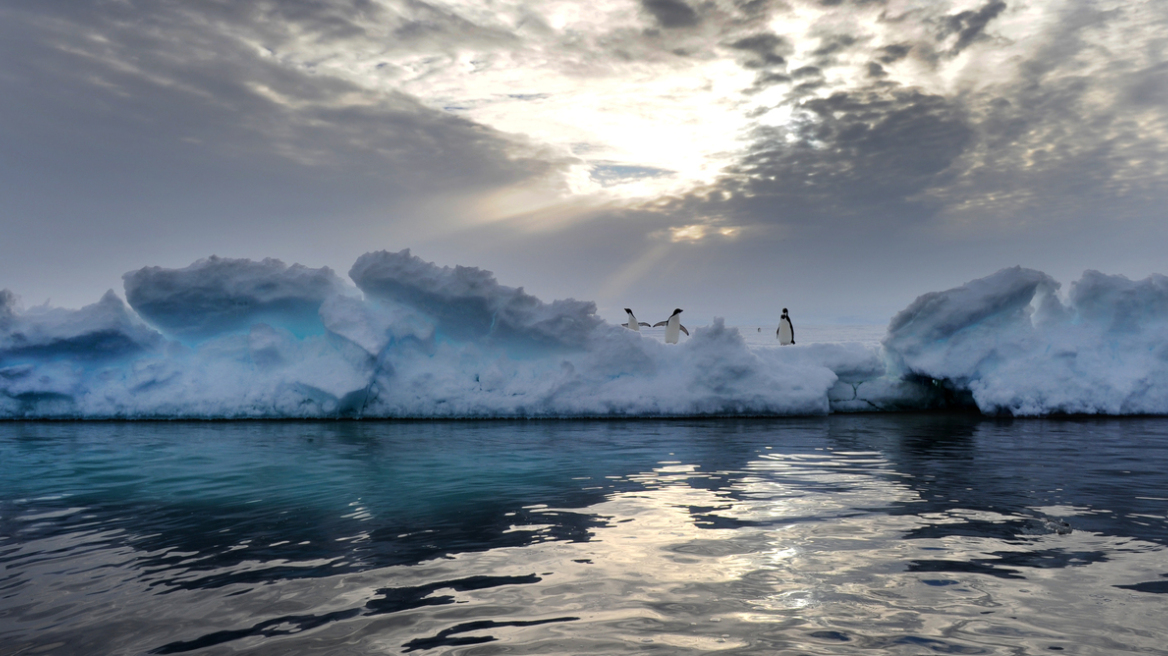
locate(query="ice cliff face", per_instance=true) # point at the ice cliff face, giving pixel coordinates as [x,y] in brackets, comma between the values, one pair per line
[106,330]
[216,296]
[229,338]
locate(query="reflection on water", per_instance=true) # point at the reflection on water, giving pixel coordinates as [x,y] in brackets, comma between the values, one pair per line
[909,534]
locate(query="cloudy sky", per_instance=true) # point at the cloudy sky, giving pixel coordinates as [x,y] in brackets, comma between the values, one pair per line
[730,157]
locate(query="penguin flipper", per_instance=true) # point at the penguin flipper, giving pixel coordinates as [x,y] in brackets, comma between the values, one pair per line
[624,325]
[683,330]
[645,324]
[659,324]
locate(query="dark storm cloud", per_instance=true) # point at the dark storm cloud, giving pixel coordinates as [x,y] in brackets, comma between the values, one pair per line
[279,23]
[874,152]
[767,79]
[119,83]
[969,26]
[809,78]
[1064,142]
[893,53]
[767,49]
[671,13]
[857,154]
[832,45]
[755,7]
[854,161]
[159,132]
[697,31]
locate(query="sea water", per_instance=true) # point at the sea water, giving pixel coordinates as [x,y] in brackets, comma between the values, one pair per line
[899,534]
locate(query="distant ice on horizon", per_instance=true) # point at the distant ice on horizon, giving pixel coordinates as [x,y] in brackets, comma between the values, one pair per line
[226,339]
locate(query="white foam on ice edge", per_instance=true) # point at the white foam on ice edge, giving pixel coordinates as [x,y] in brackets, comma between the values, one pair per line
[227,338]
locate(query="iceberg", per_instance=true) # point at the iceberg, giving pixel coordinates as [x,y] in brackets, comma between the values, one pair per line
[1010,344]
[231,338]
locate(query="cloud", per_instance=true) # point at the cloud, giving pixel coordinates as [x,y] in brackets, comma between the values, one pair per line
[211,75]
[969,26]
[865,153]
[167,132]
[807,71]
[867,124]
[767,47]
[671,13]
[893,53]
[834,44]
[309,129]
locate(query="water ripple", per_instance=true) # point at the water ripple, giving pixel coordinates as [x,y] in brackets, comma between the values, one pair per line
[911,534]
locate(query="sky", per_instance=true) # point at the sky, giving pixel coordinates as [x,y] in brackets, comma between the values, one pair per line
[729,157]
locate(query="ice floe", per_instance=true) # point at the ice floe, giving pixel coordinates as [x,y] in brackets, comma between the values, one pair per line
[227,338]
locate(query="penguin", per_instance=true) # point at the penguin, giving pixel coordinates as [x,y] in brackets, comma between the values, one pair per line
[785,332]
[672,325]
[633,325]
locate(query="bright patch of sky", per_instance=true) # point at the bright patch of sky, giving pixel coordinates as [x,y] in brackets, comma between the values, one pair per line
[546,72]
[608,89]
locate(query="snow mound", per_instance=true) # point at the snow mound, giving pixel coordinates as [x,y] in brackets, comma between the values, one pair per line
[467,303]
[1014,347]
[621,373]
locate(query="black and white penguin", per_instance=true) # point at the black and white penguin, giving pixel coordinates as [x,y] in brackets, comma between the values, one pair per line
[672,325]
[786,332]
[633,325]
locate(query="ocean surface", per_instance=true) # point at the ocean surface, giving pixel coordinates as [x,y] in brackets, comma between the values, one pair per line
[855,534]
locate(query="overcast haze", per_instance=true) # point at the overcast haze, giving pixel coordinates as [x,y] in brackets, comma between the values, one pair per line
[727,157]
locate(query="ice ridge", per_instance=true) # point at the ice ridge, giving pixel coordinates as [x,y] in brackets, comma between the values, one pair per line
[218,295]
[232,338]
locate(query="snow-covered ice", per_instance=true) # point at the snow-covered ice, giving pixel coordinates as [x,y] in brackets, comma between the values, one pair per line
[1010,342]
[228,338]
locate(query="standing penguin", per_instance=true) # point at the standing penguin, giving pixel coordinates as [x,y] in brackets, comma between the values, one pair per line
[786,332]
[633,325]
[672,325]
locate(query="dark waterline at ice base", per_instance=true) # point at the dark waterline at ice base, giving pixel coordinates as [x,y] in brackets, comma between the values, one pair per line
[901,534]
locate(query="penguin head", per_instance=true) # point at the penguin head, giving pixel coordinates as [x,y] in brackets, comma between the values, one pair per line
[784,310]
[628,310]
[677,311]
